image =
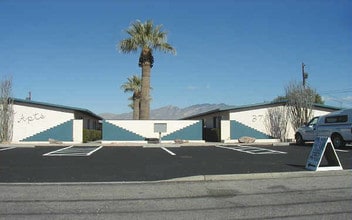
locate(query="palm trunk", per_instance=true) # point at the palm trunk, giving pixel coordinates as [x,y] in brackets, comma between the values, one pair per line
[136,104]
[145,96]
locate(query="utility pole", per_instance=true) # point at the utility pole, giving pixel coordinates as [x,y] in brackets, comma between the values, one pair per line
[29,98]
[304,75]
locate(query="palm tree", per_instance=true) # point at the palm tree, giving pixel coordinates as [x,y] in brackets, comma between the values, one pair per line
[147,37]
[134,84]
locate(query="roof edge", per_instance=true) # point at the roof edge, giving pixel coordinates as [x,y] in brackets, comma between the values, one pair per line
[257,105]
[56,106]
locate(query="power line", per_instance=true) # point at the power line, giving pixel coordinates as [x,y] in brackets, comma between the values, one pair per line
[337,91]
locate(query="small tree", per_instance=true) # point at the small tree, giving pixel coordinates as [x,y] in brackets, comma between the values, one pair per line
[318,99]
[134,84]
[300,100]
[276,121]
[6,110]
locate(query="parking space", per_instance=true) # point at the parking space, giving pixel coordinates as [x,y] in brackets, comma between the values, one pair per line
[104,164]
[74,151]
[251,149]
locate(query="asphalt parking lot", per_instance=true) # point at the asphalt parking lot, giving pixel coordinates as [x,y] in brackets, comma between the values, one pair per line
[110,164]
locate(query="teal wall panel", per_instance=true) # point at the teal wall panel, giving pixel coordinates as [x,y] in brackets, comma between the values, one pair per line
[192,132]
[239,130]
[62,132]
[113,132]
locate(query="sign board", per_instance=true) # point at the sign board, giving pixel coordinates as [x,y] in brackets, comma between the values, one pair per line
[323,147]
[160,127]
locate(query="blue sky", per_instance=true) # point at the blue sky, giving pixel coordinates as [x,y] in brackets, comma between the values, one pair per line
[235,52]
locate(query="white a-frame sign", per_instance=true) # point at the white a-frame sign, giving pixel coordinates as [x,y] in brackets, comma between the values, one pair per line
[323,147]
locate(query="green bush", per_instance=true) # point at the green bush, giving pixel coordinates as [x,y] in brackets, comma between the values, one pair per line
[91,135]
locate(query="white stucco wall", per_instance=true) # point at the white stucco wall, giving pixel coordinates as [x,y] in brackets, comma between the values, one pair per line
[120,131]
[252,118]
[29,121]
[256,119]
[78,131]
[225,131]
[145,128]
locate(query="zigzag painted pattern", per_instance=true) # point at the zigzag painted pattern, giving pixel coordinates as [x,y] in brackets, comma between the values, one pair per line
[239,130]
[191,132]
[114,132]
[139,130]
[61,132]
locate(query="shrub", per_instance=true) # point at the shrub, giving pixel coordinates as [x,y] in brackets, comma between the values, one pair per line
[91,135]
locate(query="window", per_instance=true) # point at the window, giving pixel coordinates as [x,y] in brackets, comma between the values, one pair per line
[336,119]
[313,122]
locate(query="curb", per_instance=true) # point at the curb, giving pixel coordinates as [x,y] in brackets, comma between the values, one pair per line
[254,176]
[208,178]
[132,144]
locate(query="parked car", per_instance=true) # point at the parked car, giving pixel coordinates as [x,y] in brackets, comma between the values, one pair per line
[336,125]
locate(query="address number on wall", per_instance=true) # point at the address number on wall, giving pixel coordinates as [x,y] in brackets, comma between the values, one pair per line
[257,118]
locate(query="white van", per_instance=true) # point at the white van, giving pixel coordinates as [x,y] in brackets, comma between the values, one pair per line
[336,125]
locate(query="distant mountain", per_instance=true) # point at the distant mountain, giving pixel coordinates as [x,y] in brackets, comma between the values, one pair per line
[170,112]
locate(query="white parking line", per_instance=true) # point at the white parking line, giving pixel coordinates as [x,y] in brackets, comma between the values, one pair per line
[170,152]
[230,148]
[7,148]
[74,151]
[344,151]
[94,150]
[252,150]
[53,152]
